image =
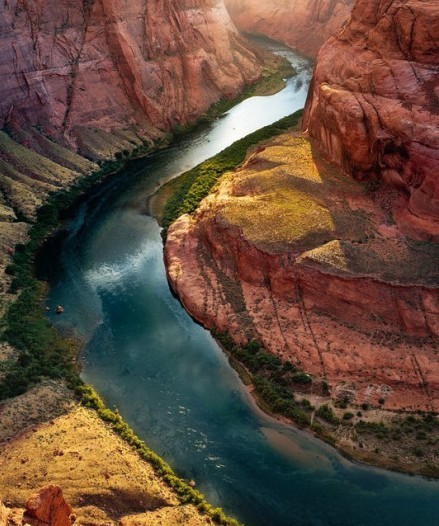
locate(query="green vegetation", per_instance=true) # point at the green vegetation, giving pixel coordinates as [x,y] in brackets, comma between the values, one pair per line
[271,81]
[195,185]
[326,412]
[42,352]
[273,380]
[185,492]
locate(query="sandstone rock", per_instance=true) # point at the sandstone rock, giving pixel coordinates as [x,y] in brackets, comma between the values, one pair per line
[3,514]
[47,507]
[302,24]
[320,284]
[71,66]
[373,104]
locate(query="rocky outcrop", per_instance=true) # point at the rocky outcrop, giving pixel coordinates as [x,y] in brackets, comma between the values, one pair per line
[291,252]
[48,508]
[374,105]
[302,24]
[111,65]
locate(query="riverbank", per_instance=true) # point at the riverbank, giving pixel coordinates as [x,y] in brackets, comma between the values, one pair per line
[44,353]
[333,408]
[32,350]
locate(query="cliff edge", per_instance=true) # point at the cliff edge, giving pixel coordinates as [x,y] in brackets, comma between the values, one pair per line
[373,105]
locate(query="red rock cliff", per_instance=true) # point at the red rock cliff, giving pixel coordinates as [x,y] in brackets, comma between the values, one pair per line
[291,252]
[374,104]
[48,508]
[114,64]
[302,24]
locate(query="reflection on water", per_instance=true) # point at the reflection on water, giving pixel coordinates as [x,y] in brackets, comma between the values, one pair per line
[170,380]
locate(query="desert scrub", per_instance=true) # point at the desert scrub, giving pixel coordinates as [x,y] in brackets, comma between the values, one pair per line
[41,351]
[273,379]
[326,413]
[196,184]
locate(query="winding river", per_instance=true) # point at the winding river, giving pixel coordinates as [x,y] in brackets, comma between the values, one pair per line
[168,377]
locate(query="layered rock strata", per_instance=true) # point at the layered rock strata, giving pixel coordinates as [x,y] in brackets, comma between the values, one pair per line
[374,105]
[290,251]
[302,24]
[111,65]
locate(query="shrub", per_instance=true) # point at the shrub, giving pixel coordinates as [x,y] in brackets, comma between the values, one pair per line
[302,378]
[326,412]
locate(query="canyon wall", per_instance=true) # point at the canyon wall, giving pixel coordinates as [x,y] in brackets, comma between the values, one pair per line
[302,24]
[115,64]
[374,105]
[291,252]
[100,77]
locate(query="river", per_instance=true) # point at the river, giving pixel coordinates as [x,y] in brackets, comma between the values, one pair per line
[169,379]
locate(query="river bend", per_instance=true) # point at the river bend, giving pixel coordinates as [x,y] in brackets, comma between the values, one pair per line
[169,379]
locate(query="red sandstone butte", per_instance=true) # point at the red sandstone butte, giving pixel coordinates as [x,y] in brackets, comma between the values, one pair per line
[302,24]
[374,104]
[47,508]
[112,64]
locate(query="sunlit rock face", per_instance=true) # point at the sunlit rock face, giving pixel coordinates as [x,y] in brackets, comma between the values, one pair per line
[374,104]
[117,63]
[291,252]
[48,508]
[301,24]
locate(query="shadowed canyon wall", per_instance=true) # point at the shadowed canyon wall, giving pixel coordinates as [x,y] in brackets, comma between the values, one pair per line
[374,104]
[113,64]
[102,77]
[301,24]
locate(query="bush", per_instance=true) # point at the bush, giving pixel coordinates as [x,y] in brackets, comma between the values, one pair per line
[326,412]
[302,378]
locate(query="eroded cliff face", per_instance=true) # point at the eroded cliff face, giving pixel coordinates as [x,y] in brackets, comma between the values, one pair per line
[116,64]
[291,252]
[374,105]
[102,77]
[302,24]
